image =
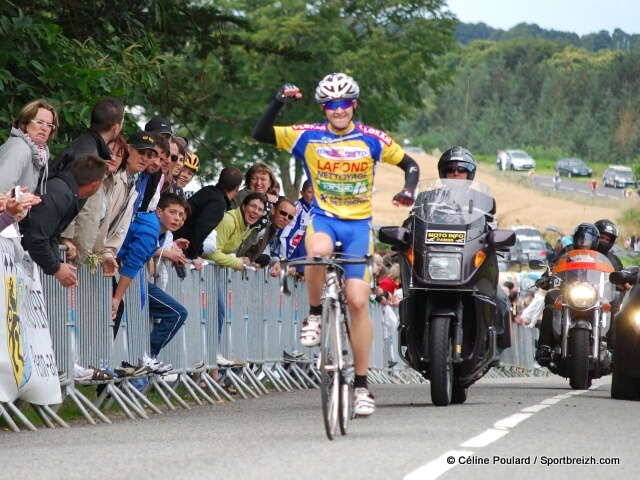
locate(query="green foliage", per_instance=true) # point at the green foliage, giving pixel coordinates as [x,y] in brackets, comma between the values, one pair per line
[548,98]
[38,61]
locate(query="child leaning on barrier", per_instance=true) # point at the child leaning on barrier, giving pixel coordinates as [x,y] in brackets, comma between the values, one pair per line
[146,234]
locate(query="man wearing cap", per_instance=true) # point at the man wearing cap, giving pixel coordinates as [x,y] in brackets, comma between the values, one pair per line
[107,118]
[42,228]
[150,181]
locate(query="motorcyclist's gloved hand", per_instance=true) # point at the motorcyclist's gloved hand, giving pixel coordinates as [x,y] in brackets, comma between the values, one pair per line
[282,98]
[405,197]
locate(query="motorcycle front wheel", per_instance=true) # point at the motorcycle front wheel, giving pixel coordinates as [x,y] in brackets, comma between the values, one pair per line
[440,364]
[579,360]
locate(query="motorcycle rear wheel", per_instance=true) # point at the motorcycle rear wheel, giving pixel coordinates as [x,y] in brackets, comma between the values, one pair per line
[579,361]
[440,364]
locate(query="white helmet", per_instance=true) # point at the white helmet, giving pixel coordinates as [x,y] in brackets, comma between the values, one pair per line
[336,86]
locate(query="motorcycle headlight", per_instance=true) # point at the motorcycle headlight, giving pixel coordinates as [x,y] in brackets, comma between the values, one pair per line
[582,296]
[635,320]
[444,266]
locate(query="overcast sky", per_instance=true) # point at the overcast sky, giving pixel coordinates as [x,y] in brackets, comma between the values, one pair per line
[578,16]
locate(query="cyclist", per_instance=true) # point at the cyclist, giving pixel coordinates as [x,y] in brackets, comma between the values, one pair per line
[339,157]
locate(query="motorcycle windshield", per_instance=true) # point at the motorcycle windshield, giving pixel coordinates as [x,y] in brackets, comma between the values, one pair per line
[587,266]
[455,211]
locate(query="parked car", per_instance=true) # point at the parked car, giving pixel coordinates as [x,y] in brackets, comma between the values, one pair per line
[536,250]
[527,232]
[515,160]
[618,176]
[573,167]
[412,149]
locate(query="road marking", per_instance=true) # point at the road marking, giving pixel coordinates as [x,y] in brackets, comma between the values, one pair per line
[442,464]
[485,438]
[437,467]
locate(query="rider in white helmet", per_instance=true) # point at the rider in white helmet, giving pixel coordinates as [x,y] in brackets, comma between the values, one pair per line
[339,158]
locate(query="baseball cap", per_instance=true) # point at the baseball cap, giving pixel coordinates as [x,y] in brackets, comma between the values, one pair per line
[158,125]
[142,141]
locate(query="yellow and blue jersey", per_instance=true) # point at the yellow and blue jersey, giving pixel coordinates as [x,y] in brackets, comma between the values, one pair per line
[340,166]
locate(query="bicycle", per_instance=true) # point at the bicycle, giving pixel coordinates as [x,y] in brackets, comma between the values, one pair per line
[335,360]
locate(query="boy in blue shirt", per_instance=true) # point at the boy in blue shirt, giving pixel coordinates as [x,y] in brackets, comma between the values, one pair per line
[145,236]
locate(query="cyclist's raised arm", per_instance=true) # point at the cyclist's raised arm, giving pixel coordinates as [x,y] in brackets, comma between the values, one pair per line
[411,176]
[263,131]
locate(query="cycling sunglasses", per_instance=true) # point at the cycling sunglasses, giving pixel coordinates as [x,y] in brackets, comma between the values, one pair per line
[335,104]
[456,169]
[285,214]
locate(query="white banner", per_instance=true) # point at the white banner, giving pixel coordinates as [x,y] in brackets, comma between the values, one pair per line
[27,363]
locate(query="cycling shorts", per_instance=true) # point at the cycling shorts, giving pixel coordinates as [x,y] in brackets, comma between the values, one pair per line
[356,237]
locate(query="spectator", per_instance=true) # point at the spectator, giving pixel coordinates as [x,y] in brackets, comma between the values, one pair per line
[267,250]
[13,209]
[260,179]
[290,240]
[208,206]
[79,237]
[146,233]
[59,207]
[107,119]
[149,182]
[191,165]
[224,240]
[26,152]
[512,292]
[533,311]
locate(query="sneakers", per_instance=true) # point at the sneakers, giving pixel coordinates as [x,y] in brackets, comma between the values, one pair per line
[62,376]
[294,356]
[223,362]
[127,370]
[363,402]
[81,374]
[299,355]
[310,333]
[154,364]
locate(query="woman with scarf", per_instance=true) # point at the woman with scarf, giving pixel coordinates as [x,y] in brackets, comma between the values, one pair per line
[24,156]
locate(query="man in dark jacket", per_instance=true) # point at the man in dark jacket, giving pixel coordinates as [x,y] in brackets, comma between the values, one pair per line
[162,127]
[42,228]
[107,118]
[208,206]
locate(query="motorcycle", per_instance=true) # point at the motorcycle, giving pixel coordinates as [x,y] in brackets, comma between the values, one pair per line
[581,315]
[625,378]
[449,329]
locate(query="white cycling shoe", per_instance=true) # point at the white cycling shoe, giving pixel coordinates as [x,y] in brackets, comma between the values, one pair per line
[310,333]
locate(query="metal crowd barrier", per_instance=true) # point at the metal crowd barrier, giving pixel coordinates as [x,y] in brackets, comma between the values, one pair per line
[260,334]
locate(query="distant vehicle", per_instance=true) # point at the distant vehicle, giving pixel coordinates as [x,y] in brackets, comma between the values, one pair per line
[510,265]
[618,176]
[527,232]
[573,167]
[411,149]
[536,250]
[515,160]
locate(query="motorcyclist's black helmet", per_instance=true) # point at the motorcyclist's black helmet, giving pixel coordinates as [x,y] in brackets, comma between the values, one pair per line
[586,236]
[457,157]
[608,227]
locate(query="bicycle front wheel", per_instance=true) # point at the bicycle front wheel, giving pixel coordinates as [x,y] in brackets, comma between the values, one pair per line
[346,380]
[329,366]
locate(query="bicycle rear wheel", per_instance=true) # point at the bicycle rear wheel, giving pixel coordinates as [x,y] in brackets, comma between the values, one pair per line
[329,372]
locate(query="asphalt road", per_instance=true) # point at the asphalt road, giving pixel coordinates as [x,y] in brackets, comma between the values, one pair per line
[281,436]
[568,185]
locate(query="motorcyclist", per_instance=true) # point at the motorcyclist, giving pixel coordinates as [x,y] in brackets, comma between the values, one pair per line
[585,237]
[608,236]
[457,163]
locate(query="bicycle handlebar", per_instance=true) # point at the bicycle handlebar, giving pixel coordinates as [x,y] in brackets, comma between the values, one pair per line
[323,262]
